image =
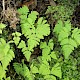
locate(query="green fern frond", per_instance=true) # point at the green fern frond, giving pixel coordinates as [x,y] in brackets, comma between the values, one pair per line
[25,50]
[6,59]
[68,40]
[34,31]
[33,15]
[56,70]
[47,54]
[23,70]
[60,12]
[23,10]
[76,35]
[58,27]
[22,44]
[2,72]
[6,55]
[44,69]
[16,37]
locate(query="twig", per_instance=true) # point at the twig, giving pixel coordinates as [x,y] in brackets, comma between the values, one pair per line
[3,3]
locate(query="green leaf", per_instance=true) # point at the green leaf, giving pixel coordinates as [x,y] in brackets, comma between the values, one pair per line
[2,72]
[43,45]
[32,43]
[23,70]
[2,25]
[18,34]
[76,35]
[0,31]
[30,21]
[67,49]
[56,70]
[64,41]
[27,55]
[63,34]
[46,51]
[22,44]
[73,42]
[33,15]
[77,39]
[74,32]
[49,77]
[43,29]
[58,27]
[5,61]
[8,78]
[16,40]
[18,68]
[51,44]
[6,48]
[34,69]
[40,21]
[23,17]
[45,54]
[32,28]
[3,42]
[53,55]
[44,69]
[68,25]
[23,10]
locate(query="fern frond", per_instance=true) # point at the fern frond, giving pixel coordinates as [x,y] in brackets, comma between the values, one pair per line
[58,27]
[23,70]
[60,12]
[44,69]
[33,29]
[33,15]
[56,70]
[6,59]
[47,54]
[16,37]
[25,50]
[23,10]
[68,40]
[34,32]
[2,72]
[76,35]
[6,55]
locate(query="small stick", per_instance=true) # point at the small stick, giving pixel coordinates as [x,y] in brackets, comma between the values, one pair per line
[3,3]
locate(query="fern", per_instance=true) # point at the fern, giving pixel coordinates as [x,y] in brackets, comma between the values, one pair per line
[41,67]
[16,37]
[47,55]
[69,39]
[6,55]
[62,12]
[32,29]
[25,50]
[23,70]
